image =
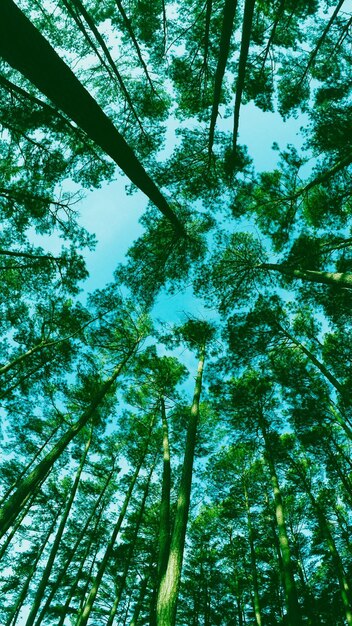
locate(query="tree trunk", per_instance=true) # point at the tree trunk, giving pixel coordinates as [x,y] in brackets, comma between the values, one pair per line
[25,469]
[84,615]
[71,554]
[293,610]
[345,591]
[13,617]
[55,547]
[225,39]
[89,552]
[245,40]
[164,528]
[320,366]
[129,556]
[256,599]
[25,49]
[140,599]
[339,279]
[169,586]
[29,484]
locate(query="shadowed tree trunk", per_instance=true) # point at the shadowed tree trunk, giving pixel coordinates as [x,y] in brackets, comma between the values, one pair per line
[25,49]
[164,528]
[22,596]
[245,40]
[256,599]
[96,515]
[225,38]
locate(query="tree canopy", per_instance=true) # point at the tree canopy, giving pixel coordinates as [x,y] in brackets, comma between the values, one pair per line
[160,468]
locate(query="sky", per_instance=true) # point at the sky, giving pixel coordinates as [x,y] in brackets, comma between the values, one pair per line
[113,215]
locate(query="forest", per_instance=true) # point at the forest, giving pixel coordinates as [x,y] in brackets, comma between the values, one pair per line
[159,466]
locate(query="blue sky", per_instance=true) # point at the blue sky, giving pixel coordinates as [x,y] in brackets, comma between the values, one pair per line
[113,215]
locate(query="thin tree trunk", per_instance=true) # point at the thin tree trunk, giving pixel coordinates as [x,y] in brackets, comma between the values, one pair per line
[129,29]
[320,42]
[111,67]
[341,575]
[55,547]
[84,616]
[322,368]
[25,469]
[16,527]
[323,177]
[245,40]
[278,17]
[22,596]
[225,39]
[71,554]
[293,610]
[139,604]
[169,586]
[122,582]
[164,527]
[41,346]
[88,552]
[256,598]
[25,49]
[28,485]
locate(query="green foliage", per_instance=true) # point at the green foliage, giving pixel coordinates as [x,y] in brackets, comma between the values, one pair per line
[272,481]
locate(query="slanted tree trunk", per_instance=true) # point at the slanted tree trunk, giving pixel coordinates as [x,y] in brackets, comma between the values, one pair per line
[22,596]
[16,526]
[318,364]
[41,346]
[345,590]
[28,466]
[95,515]
[225,39]
[122,582]
[128,25]
[338,279]
[86,611]
[320,42]
[91,551]
[169,586]
[55,547]
[25,49]
[29,484]
[139,604]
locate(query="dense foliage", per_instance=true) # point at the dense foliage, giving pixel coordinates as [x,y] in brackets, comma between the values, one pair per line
[192,471]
